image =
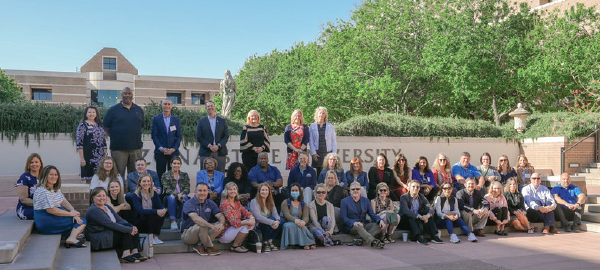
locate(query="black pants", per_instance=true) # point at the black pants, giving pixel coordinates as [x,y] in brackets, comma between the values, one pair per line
[565,214]
[125,241]
[163,163]
[418,227]
[249,159]
[149,223]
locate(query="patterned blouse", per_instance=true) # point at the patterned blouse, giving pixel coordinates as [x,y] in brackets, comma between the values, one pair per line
[383,206]
[234,214]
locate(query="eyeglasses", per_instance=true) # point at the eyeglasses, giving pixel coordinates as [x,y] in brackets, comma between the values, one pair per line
[502,160]
[355,189]
[383,190]
[209,163]
[442,159]
[321,192]
[446,188]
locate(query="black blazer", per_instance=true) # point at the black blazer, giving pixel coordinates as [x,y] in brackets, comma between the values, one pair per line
[478,200]
[99,228]
[406,206]
[205,137]
[388,178]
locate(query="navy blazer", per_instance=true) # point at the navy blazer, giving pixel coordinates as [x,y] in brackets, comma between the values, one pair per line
[136,204]
[350,214]
[161,138]
[406,206]
[205,137]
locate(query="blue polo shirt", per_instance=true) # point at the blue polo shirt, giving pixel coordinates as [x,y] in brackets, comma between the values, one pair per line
[206,210]
[568,194]
[470,171]
[125,126]
[257,175]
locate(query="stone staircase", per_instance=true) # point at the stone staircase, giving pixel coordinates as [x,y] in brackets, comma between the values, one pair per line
[22,248]
[591,216]
[591,174]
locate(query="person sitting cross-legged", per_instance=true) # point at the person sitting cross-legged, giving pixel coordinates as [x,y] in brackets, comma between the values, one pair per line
[414,207]
[354,210]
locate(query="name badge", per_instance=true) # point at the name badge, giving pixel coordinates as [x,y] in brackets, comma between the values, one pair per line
[308,175]
[173,128]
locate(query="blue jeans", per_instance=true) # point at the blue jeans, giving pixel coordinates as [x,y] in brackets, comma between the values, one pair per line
[450,225]
[172,203]
[268,232]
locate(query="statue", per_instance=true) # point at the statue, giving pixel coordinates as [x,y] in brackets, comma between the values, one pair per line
[228,93]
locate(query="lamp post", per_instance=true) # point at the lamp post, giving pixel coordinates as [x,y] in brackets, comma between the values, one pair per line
[520,116]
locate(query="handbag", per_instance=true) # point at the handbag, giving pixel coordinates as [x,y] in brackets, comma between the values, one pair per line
[392,219]
[146,246]
[254,236]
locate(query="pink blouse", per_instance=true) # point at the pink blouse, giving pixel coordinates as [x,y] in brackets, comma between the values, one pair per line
[499,201]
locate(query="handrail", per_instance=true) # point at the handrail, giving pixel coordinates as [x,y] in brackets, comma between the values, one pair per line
[596,141]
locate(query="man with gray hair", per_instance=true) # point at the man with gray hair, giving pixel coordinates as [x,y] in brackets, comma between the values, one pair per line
[123,123]
[354,210]
[539,204]
[212,133]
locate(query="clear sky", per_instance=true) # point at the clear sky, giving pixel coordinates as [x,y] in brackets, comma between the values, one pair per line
[172,38]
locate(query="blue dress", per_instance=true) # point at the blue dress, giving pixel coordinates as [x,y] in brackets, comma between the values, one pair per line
[294,235]
[47,223]
[25,211]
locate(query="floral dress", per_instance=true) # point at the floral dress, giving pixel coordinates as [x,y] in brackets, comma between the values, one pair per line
[92,139]
[234,214]
[297,133]
[24,211]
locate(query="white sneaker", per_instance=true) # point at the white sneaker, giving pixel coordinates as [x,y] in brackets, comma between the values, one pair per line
[439,234]
[174,226]
[156,241]
[454,239]
[472,238]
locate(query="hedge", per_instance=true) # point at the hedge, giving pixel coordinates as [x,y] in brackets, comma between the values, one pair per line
[24,118]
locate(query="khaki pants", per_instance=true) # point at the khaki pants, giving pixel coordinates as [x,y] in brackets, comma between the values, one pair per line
[196,234]
[366,232]
[473,221]
[125,159]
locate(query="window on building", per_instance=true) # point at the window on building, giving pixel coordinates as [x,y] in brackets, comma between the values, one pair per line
[198,99]
[109,63]
[106,98]
[174,97]
[41,94]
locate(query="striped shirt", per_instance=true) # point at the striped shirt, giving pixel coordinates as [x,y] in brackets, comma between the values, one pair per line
[44,198]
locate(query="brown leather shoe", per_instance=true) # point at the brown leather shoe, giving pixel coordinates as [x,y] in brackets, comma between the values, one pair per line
[212,251]
[554,230]
[479,233]
[200,250]
[545,230]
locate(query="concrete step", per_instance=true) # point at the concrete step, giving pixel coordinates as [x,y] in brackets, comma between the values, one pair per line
[177,246]
[168,234]
[592,208]
[167,223]
[74,258]
[106,259]
[14,235]
[590,226]
[593,182]
[593,199]
[594,165]
[39,252]
[593,217]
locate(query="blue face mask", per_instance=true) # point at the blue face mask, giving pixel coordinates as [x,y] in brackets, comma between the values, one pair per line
[295,194]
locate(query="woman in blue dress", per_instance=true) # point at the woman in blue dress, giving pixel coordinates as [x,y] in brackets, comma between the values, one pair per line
[53,214]
[91,142]
[297,217]
[26,186]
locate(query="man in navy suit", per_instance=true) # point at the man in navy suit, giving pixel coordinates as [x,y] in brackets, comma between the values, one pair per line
[166,135]
[212,133]
[354,210]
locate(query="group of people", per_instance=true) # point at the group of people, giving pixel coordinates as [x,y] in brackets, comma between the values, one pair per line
[319,200]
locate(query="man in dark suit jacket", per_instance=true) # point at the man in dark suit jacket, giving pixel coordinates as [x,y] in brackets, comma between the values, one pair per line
[474,208]
[354,210]
[166,135]
[212,133]
[414,208]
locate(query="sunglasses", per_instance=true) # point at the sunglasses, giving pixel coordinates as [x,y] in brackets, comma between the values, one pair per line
[502,160]
[321,192]
[355,189]
[442,159]
[209,163]
[383,190]
[536,178]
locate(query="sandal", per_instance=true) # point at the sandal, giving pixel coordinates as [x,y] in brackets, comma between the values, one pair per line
[77,245]
[139,257]
[390,239]
[266,249]
[273,247]
[530,231]
[306,247]
[313,246]
[129,259]
[239,249]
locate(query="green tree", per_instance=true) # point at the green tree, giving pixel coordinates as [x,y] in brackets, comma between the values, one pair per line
[9,91]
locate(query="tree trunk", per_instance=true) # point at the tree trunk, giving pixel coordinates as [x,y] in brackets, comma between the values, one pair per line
[495,109]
